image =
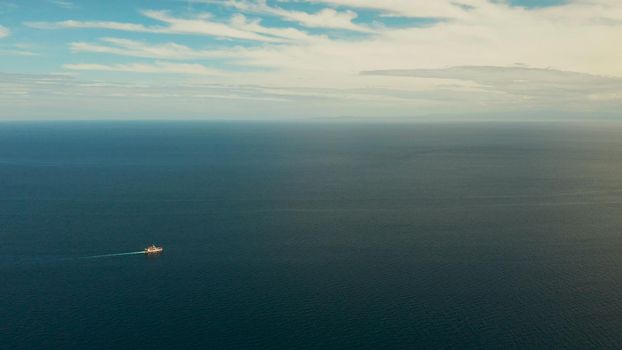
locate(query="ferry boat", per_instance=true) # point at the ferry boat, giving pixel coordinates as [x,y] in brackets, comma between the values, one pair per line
[152,249]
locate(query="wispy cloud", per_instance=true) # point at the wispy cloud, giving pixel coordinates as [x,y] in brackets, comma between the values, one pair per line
[169,50]
[205,26]
[324,18]
[16,52]
[63,4]
[238,27]
[18,49]
[412,8]
[111,25]
[4,32]
[158,68]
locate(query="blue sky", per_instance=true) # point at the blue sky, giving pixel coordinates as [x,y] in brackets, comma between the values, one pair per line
[245,59]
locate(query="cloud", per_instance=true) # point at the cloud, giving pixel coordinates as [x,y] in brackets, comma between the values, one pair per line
[568,37]
[158,68]
[63,4]
[4,32]
[16,52]
[426,92]
[524,83]
[286,34]
[18,49]
[73,24]
[324,18]
[45,96]
[237,28]
[204,26]
[412,8]
[169,50]
[507,75]
[461,62]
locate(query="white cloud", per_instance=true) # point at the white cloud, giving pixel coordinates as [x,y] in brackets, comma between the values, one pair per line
[237,28]
[291,35]
[16,52]
[63,4]
[203,25]
[73,24]
[412,8]
[158,68]
[325,18]
[4,32]
[132,48]
[570,37]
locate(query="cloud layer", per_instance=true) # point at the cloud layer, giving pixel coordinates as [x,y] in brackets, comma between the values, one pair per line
[535,86]
[360,57]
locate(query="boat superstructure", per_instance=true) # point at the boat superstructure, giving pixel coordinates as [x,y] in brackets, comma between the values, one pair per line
[152,249]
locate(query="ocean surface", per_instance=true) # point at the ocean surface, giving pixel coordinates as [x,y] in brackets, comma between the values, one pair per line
[310,235]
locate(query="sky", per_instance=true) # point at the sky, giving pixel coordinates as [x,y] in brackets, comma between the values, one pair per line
[310,59]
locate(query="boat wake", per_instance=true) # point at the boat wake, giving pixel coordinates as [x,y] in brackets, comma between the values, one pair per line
[111,255]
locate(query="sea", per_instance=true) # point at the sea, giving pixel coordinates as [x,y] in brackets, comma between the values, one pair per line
[310,235]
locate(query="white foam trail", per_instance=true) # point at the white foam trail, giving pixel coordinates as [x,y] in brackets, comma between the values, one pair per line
[109,255]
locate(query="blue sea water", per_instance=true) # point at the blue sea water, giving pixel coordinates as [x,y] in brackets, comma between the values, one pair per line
[310,235]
